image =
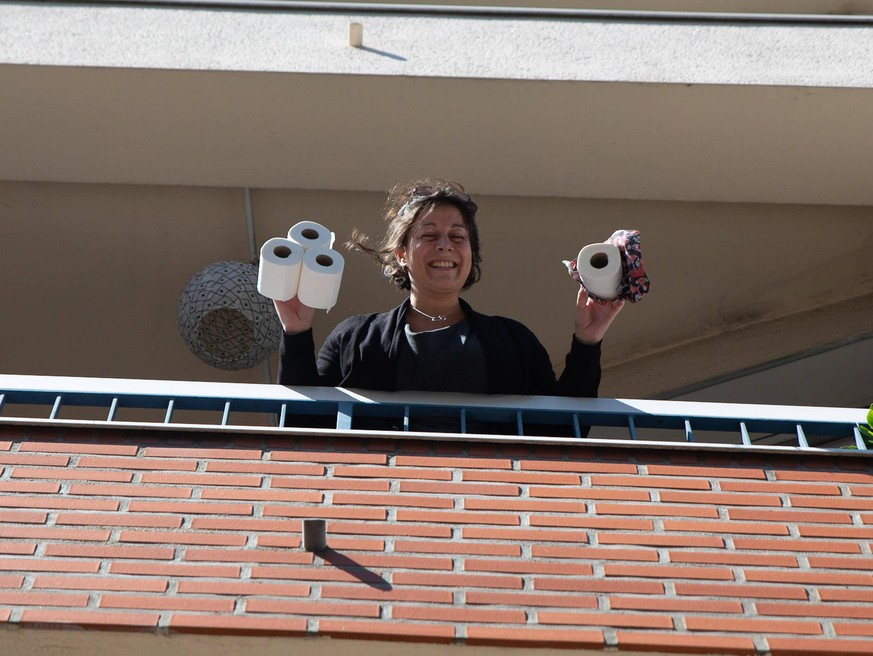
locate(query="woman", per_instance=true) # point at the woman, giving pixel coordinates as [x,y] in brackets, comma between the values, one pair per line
[434,340]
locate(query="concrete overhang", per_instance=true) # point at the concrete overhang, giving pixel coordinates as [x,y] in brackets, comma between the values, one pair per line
[696,111]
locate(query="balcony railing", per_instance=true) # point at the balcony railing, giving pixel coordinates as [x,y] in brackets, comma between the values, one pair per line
[247,408]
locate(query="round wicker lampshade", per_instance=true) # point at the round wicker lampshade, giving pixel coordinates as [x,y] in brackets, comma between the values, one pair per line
[224,320]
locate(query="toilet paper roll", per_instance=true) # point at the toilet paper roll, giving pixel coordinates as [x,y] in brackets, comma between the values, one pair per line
[320,278]
[310,234]
[599,266]
[279,268]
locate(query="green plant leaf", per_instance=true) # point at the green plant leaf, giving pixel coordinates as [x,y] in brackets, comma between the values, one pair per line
[870,416]
[866,434]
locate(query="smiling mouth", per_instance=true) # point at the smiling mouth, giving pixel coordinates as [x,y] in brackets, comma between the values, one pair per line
[442,265]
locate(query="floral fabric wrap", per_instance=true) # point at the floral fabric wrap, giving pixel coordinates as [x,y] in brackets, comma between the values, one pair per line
[634,281]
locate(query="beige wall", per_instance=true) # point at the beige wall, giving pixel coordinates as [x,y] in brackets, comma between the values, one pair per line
[92,275]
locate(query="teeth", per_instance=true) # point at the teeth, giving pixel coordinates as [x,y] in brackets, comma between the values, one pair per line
[442,265]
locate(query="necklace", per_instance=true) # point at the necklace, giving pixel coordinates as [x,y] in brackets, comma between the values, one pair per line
[439,317]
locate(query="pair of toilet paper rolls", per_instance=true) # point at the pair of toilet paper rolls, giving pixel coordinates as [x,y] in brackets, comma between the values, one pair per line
[599,266]
[303,265]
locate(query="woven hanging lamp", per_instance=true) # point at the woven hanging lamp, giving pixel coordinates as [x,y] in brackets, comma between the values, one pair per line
[224,320]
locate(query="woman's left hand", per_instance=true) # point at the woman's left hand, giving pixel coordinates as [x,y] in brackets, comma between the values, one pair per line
[593,319]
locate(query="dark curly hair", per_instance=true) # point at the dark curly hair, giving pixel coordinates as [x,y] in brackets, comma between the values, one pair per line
[406,202]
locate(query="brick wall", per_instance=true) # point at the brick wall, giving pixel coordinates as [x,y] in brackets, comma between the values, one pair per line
[672,550]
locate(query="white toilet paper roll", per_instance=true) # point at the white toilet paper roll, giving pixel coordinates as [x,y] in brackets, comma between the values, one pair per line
[320,278]
[310,234]
[599,266]
[279,268]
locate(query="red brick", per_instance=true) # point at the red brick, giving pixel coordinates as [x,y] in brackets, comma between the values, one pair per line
[807,577]
[29,487]
[588,493]
[396,561]
[22,517]
[594,553]
[72,474]
[316,574]
[302,496]
[442,614]
[445,547]
[326,512]
[520,478]
[11,581]
[166,602]
[223,625]
[88,618]
[751,625]
[31,598]
[34,460]
[5,446]
[407,530]
[708,473]
[721,499]
[808,610]
[192,507]
[591,521]
[653,510]
[807,546]
[457,580]
[340,544]
[329,456]
[174,569]
[201,479]
[18,548]
[835,532]
[46,565]
[108,551]
[787,516]
[109,462]
[770,487]
[134,490]
[654,540]
[650,482]
[525,505]
[676,605]
[311,607]
[248,556]
[783,646]
[566,584]
[465,517]
[528,599]
[605,619]
[833,562]
[52,533]
[522,534]
[733,558]
[684,643]
[393,594]
[79,448]
[119,519]
[534,637]
[243,588]
[824,476]
[55,502]
[259,467]
[391,473]
[199,453]
[183,537]
[741,590]
[527,567]
[845,594]
[100,583]
[362,484]
[831,503]
[460,489]
[381,630]
[388,500]
[725,527]
[580,466]
[238,524]
[452,463]
[861,491]
[853,628]
[668,572]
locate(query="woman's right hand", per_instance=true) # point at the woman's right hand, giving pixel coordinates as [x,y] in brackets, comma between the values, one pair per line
[294,316]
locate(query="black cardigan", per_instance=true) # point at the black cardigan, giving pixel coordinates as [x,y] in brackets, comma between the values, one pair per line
[362,352]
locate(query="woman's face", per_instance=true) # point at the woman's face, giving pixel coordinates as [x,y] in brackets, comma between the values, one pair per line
[438,255]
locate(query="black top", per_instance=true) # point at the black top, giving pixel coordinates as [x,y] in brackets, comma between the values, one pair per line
[363,352]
